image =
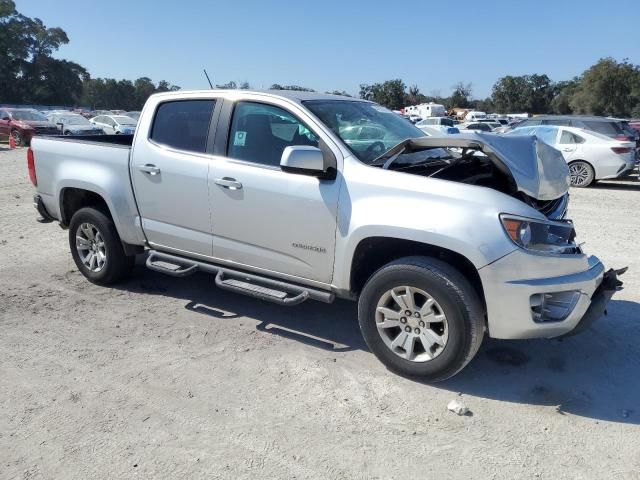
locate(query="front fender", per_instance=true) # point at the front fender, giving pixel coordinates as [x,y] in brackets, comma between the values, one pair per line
[458,217]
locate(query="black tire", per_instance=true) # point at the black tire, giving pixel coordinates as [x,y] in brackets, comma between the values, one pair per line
[586,177]
[117,265]
[456,297]
[17,137]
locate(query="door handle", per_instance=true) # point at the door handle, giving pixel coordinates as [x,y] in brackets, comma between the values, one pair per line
[149,168]
[228,182]
[567,149]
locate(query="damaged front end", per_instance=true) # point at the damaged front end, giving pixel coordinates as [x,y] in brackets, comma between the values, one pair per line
[521,166]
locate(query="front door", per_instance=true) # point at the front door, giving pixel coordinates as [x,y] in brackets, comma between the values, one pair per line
[169,173]
[264,218]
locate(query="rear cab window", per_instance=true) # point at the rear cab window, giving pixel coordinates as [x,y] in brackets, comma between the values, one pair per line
[183,124]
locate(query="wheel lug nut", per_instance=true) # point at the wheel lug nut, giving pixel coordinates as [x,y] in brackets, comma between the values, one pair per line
[407,329]
[407,312]
[403,320]
[421,323]
[417,314]
[417,331]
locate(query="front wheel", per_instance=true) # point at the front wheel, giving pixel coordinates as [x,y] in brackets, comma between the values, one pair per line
[421,318]
[96,247]
[582,174]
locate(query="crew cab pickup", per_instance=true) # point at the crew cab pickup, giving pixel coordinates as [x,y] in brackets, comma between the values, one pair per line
[440,240]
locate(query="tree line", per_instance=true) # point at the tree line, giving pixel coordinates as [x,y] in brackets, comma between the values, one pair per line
[30,75]
[608,87]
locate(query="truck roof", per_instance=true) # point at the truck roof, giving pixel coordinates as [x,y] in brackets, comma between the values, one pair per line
[295,95]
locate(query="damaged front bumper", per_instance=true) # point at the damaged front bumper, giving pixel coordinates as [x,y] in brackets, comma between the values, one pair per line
[610,284]
[540,296]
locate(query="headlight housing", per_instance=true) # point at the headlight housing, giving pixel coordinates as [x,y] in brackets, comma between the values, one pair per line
[554,237]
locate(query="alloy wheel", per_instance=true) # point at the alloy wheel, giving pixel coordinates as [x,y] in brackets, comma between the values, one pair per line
[91,247]
[412,324]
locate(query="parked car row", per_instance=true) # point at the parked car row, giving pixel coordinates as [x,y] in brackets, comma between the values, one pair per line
[596,148]
[23,123]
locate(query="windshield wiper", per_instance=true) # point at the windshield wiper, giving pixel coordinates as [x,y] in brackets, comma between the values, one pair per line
[376,161]
[392,159]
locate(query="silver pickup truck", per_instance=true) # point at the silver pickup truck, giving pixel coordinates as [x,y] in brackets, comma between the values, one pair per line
[290,196]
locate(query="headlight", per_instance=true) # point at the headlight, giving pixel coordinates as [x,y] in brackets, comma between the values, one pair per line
[540,236]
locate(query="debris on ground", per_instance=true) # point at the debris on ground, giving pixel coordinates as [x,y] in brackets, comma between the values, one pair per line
[458,408]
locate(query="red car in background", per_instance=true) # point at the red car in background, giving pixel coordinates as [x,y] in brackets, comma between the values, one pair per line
[23,123]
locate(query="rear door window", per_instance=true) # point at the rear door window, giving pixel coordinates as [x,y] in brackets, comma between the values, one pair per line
[183,124]
[568,137]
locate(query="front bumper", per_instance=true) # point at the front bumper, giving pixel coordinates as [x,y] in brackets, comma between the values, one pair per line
[511,283]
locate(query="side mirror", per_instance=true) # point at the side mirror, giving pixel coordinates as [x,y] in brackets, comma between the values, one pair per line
[6,119]
[304,160]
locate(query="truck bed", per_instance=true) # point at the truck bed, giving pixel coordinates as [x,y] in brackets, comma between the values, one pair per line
[121,140]
[95,163]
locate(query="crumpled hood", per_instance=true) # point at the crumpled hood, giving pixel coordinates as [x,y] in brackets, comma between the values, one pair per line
[538,169]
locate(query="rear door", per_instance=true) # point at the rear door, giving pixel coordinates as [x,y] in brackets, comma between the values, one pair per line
[265,219]
[570,144]
[169,171]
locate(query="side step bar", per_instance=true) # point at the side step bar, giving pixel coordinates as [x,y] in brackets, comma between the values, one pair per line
[276,291]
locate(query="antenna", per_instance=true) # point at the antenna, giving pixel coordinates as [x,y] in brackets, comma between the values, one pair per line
[208,79]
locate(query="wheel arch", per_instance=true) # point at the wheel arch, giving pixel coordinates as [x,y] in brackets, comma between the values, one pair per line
[593,167]
[372,253]
[73,199]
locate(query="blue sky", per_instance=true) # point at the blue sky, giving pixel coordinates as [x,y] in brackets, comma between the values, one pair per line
[331,44]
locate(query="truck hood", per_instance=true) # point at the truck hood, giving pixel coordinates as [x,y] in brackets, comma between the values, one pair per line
[535,168]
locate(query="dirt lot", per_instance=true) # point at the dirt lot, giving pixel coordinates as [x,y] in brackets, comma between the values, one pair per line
[172,378]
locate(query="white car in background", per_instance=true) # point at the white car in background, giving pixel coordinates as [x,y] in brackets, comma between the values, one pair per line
[591,156]
[115,124]
[474,116]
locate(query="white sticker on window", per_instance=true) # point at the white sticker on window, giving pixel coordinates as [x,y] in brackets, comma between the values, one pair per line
[239,139]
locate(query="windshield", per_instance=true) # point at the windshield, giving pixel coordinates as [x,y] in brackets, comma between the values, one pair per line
[122,120]
[74,120]
[368,129]
[28,116]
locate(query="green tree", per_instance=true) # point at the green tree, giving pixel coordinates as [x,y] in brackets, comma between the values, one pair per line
[564,91]
[511,94]
[608,88]
[27,70]
[297,88]
[339,92]
[391,93]
[461,96]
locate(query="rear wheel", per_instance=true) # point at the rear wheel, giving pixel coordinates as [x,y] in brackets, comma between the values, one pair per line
[96,247]
[17,137]
[421,317]
[582,174]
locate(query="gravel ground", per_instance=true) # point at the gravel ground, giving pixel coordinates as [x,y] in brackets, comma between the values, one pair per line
[171,378]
